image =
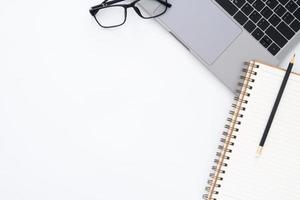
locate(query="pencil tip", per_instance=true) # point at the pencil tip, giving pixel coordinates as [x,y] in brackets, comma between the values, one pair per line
[293,59]
[259,151]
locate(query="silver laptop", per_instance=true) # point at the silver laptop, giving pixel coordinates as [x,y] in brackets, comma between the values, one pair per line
[223,34]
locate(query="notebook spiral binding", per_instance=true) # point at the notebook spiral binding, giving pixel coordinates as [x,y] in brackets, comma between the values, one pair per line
[232,128]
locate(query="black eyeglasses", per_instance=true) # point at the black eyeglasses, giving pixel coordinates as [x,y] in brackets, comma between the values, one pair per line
[109,14]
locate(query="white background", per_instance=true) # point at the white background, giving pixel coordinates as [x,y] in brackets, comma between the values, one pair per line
[94,114]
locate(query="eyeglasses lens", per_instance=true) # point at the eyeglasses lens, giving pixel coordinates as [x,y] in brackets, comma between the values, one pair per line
[111,16]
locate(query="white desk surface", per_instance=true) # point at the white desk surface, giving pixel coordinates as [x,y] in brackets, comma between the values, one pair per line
[94,114]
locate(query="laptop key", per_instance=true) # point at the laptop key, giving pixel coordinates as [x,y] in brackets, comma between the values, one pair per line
[276,36]
[228,6]
[295,25]
[280,10]
[283,2]
[247,9]
[249,26]
[273,49]
[274,20]
[239,3]
[240,18]
[272,3]
[297,13]
[257,33]
[285,30]
[288,18]
[263,24]
[255,16]
[266,12]
[258,5]
[291,6]
[265,41]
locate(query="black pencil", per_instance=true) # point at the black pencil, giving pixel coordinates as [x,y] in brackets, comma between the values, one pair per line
[275,106]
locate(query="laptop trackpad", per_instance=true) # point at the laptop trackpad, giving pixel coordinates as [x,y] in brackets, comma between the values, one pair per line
[202,26]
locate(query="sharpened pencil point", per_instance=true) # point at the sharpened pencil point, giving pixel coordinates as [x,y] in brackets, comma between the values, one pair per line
[293,59]
[259,151]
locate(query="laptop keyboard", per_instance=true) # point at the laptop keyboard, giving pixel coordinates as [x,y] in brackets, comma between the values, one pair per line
[272,22]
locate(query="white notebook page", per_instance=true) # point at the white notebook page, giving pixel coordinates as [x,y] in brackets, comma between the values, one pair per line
[276,173]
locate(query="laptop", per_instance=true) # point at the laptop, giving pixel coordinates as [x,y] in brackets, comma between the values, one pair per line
[229,32]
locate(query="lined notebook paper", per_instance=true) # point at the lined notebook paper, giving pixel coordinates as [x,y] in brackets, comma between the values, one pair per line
[239,174]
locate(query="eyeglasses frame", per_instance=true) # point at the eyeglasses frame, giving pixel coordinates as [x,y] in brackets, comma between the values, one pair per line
[108,4]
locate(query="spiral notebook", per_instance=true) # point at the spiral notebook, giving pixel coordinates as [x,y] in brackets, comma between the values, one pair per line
[238,173]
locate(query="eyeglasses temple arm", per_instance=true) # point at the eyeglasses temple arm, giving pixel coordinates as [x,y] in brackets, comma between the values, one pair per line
[113,2]
[97,7]
[107,3]
[165,3]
